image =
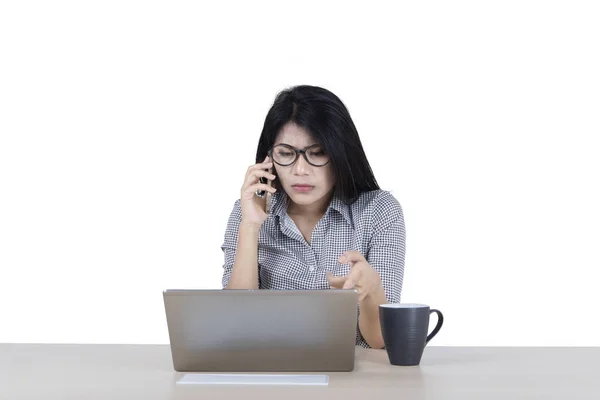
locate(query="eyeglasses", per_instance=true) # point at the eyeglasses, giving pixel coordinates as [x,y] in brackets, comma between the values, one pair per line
[284,155]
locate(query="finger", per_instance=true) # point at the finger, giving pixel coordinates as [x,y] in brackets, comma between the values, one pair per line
[259,186]
[253,175]
[336,285]
[351,256]
[349,284]
[261,173]
[335,281]
[259,167]
[352,279]
[262,165]
[259,176]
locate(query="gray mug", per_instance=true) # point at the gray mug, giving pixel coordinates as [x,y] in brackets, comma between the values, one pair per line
[404,327]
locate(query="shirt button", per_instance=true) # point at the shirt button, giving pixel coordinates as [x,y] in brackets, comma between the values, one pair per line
[312,268]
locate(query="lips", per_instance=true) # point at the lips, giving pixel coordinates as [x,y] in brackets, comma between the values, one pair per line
[302,188]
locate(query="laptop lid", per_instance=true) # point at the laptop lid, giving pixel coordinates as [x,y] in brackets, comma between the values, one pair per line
[262,330]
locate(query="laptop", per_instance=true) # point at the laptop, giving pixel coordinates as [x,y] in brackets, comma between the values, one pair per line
[233,330]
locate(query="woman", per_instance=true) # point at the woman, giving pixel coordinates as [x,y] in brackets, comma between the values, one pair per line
[327,224]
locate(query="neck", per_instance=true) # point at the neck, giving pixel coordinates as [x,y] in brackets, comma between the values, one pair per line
[314,210]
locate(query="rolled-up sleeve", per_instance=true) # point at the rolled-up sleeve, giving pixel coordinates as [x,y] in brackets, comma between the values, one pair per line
[387,246]
[230,241]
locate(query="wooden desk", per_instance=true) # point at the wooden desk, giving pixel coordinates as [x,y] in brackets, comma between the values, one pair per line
[29,371]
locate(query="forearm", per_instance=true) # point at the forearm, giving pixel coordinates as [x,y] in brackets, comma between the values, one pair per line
[245,268]
[368,321]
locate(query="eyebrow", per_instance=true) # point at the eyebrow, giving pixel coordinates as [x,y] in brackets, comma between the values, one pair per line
[302,148]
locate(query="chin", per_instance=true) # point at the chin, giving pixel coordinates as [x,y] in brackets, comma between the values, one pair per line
[303,200]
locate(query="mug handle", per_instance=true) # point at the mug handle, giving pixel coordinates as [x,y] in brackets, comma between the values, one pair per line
[437,326]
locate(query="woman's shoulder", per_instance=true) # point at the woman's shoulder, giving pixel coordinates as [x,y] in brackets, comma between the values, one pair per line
[236,210]
[377,209]
[379,201]
[235,215]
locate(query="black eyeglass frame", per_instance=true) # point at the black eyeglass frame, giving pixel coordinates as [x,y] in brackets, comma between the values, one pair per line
[298,152]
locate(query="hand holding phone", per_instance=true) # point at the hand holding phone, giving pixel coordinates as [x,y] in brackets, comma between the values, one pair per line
[263,193]
[256,192]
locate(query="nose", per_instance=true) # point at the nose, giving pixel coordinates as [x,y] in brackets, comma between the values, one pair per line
[301,166]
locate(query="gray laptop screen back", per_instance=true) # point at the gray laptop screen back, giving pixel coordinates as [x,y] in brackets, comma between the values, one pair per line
[262,330]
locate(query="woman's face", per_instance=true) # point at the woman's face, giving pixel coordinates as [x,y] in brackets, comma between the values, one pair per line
[305,184]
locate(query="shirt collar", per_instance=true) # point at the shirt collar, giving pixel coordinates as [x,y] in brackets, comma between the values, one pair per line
[279,202]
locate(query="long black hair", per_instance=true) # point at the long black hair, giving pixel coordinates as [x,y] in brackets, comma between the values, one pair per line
[328,121]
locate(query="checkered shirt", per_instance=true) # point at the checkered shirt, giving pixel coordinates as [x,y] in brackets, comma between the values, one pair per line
[373,225]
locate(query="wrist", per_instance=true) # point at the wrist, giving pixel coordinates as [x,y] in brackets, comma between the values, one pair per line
[376,296]
[250,226]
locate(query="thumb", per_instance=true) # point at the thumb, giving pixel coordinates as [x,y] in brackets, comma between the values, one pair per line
[335,281]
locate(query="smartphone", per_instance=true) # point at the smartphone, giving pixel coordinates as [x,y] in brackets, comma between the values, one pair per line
[261,193]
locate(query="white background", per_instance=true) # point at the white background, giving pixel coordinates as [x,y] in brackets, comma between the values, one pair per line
[126,129]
